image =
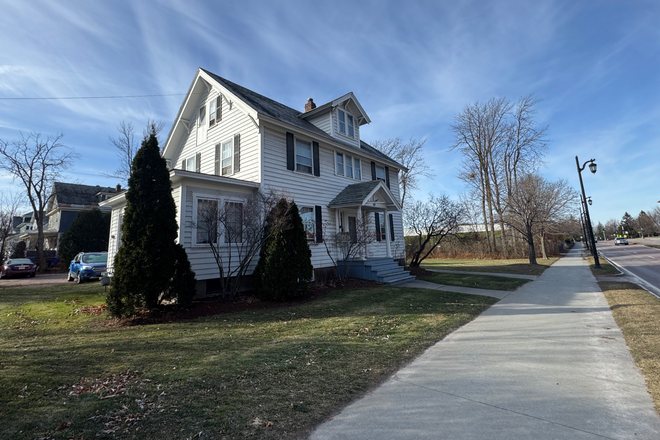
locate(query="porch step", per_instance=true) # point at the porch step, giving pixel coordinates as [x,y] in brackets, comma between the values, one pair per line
[383,270]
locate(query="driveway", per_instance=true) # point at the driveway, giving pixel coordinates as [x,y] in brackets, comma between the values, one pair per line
[547,362]
[41,280]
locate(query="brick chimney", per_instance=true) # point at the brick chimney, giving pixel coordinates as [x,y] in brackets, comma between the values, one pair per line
[118,187]
[310,105]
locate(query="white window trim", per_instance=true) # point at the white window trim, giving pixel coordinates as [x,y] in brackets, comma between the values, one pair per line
[346,131]
[384,178]
[345,157]
[300,208]
[297,139]
[217,101]
[231,157]
[221,235]
[194,159]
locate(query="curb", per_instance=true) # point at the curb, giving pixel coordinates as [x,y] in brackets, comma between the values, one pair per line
[640,282]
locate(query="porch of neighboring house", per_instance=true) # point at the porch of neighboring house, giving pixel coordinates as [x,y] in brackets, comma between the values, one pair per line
[365,233]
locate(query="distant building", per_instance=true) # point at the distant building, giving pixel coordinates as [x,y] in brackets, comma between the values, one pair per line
[65,202]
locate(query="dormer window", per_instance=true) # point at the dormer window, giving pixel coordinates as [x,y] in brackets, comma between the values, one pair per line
[346,125]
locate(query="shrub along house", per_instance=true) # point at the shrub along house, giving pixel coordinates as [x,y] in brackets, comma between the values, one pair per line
[228,142]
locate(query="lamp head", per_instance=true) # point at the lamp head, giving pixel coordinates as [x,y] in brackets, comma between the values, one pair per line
[589,200]
[592,167]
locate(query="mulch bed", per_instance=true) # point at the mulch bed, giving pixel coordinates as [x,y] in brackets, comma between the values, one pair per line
[247,301]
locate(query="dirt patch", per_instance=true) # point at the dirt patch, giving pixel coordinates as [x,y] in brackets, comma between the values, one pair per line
[246,302]
[40,280]
[419,272]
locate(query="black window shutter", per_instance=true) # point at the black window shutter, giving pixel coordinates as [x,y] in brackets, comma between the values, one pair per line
[237,152]
[218,111]
[319,224]
[217,160]
[387,176]
[377,217]
[183,164]
[392,228]
[373,170]
[198,162]
[290,153]
[315,152]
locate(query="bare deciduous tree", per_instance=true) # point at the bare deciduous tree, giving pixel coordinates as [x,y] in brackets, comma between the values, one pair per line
[431,221]
[9,204]
[499,141]
[533,204]
[234,232]
[347,246]
[409,154]
[37,163]
[127,147]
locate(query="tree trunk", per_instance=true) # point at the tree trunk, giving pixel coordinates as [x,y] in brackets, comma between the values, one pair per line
[530,244]
[545,256]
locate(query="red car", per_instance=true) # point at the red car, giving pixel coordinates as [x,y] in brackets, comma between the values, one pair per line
[18,266]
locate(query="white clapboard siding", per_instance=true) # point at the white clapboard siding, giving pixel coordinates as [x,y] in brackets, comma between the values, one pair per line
[353,142]
[233,122]
[323,121]
[308,190]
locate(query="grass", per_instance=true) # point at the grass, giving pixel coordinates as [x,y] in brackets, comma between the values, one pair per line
[269,374]
[605,267]
[476,281]
[637,313]
[515,266]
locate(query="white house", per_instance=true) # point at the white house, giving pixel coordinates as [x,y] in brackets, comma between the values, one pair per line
[228,142]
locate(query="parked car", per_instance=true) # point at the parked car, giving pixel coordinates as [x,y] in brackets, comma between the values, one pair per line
[620,240]
[18,267]
[87,266]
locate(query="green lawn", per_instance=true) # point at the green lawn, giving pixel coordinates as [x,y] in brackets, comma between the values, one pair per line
[515,266]
[272,373]
[476,281]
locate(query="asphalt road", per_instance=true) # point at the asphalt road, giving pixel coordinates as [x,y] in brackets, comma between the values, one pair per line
[641,261]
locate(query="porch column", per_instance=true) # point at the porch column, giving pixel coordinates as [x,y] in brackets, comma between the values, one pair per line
[359,229]
[388,246]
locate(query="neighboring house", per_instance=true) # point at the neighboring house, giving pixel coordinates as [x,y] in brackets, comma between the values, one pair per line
[228,142]
[65,202]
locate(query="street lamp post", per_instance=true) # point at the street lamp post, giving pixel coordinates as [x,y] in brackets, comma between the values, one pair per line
[592,168]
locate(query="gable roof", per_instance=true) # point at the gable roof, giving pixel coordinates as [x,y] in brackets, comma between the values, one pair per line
[282,113]
[75,194]
[358,193]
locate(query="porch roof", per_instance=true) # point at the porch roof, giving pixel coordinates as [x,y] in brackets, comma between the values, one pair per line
[358,194]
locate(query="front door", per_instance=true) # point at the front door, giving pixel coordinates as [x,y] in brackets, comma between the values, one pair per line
[352,230]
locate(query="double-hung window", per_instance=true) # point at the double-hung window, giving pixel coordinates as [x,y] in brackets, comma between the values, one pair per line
[207,221]
[215,111]
[227,159]
[234,222]
[303,156]
[340,163]
[202,115]
[349,166]
[346,124]
[380,173]
[307,216]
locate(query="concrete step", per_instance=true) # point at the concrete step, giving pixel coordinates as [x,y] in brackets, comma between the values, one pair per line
[397,279]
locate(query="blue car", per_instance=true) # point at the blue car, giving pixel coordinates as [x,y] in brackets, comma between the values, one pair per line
[87,266]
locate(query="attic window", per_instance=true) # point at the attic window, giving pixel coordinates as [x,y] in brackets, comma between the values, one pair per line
[215,111]
[346,121]
[202,115]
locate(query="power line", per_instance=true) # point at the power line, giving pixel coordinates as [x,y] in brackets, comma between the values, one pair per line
[93,97]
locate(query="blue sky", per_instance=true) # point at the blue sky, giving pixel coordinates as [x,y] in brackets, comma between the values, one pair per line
[413,66]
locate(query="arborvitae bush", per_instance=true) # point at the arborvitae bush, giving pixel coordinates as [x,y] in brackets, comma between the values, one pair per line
[19,250]
[182,286]
[89,232]
[145,265]
[285,267]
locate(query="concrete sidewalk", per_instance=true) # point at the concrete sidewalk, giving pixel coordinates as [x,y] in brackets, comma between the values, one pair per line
[546,362]
[490,274]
